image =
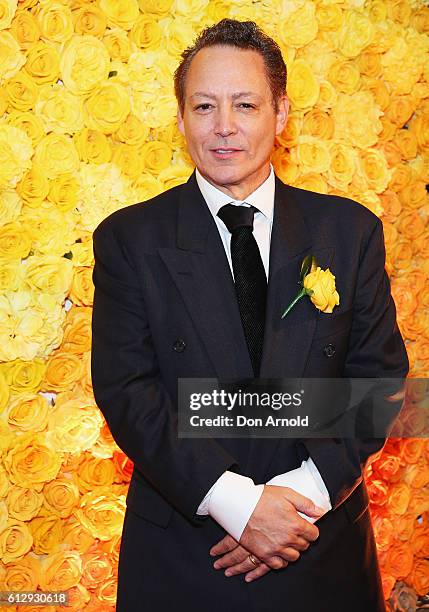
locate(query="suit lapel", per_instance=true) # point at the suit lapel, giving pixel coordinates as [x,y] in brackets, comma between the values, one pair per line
[287,341]
[201,272]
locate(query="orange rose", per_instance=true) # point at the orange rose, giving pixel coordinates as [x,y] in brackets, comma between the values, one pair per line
[404,526]
[82,290]
[401,177]
[289,137]
[47,534]
[400,110]
[61,496]
[96,569]
[419,577]
[377,490]
[420,540]
[124,466]
[413,195]
[391,206]
[76,537]
[95,472]
[406,142]
[399,560]
[62,371]
[412,449]
[77,330]
[61,570]
[417,474]
[404,297]
[383,531]
[22,574]
[387,466]
[399,498]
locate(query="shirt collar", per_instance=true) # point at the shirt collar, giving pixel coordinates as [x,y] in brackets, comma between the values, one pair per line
[262,197]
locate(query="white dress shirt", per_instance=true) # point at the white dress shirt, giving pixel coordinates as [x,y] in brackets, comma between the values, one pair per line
[233,497]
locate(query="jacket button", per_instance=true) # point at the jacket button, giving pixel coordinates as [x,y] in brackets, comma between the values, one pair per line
[329,350]
[179,345]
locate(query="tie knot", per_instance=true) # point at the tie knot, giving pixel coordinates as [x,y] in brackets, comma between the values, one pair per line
[235,216]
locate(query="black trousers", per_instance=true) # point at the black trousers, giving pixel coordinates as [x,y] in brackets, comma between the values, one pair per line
[162,569]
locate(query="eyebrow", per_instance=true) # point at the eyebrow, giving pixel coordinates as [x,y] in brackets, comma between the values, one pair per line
[239,94]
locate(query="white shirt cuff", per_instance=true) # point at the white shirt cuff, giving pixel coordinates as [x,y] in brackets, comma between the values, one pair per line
[231,502]
[307,481]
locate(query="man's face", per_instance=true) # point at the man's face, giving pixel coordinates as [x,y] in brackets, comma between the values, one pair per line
[229,121]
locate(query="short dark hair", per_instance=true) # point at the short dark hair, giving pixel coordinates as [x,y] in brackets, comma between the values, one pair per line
[241,34]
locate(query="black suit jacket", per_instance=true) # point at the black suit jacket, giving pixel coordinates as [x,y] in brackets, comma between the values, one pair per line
[164,308]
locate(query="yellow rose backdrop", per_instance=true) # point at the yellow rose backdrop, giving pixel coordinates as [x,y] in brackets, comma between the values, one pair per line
[87,127]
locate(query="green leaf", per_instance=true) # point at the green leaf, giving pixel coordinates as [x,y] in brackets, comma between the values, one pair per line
[306,266]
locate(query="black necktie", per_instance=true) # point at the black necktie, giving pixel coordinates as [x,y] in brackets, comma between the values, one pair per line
[249,276]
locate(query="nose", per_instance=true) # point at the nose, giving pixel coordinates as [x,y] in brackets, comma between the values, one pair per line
[224,123]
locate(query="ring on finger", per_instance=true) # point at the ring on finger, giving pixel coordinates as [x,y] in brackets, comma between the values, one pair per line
[254,560]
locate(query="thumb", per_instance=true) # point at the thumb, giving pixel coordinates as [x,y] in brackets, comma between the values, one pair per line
[227,544]
[303,504]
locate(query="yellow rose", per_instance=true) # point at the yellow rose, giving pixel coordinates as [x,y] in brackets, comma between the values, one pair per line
[24,28]
[33,187]
[103,189]
[369,63]
[32,461]
[161,8]
[311,155]
[15,243]
[356,33]
[174,175]
[303,88]
[62,371]
[84,64]
[317,123]
[15,541]
[94,473]
[21,91]
[74,426]
[82,251]
[311,181]
[27,122]
[57,154]
[147,186]
[16,150]
[406,142]
[60,571]
[76,537]
[289,137]
[420,127]
[22,376]
[55,21]
[89,19]
[327,95]
[413,195]
[63,192]
[60,110]
[61,496]
[43,63]
[178,35]
[356,119]
[107,107]
[298,24]
[52,232]
[10,279]
[76,338]
[322,284]
[132,132]
[118,44]
[7,439]
[400,110]
[101,513]
[402,66]
[156,115]
[23,504]
[82,289]
[344,76]
[11,57]
[22,574]
[329,17]
[146,33]
[373,170]
[4,398]
[128,159]
[121,13]
[49,274]
[7,11]
[47,534]
[156,156]
[28,412]
[343,165]
[10,206]
[92,146]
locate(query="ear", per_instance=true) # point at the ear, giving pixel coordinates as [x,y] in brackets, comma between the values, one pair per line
[180,122]
[282,113]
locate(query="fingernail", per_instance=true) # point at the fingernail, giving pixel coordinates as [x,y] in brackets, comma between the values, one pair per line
[248,579]
[212,553]
[216,565]
[227,573]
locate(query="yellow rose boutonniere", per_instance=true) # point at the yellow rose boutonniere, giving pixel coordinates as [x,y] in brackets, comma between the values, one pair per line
[318,284]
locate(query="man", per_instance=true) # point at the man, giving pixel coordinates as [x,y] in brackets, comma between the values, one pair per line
[172,300]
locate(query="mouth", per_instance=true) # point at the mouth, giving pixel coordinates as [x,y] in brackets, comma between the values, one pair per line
[225,152]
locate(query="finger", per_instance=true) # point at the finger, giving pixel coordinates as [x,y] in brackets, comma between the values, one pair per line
[298,543]
[289,554]
[240,568]
[225,545]
[238,555]
[258,572]
[278,562]
[302,503]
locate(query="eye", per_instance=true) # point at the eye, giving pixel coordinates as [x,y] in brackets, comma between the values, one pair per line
[204,106]
[246,105]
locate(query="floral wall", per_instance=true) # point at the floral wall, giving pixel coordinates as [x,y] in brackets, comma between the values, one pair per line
[88,126]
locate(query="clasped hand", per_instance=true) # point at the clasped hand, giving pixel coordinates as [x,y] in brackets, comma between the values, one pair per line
[275,534]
